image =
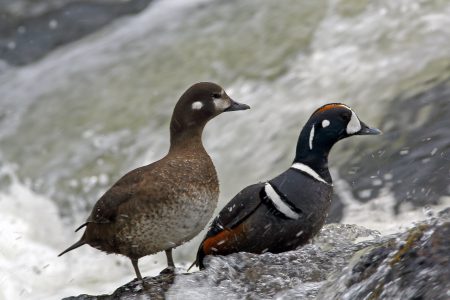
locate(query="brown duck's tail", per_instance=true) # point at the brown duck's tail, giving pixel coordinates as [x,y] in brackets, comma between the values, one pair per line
[80,243]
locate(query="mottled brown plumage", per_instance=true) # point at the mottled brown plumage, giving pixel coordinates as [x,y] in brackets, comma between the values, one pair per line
[162,205]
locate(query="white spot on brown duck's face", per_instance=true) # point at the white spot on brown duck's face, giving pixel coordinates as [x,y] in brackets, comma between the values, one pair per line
[325,123]
[197,105]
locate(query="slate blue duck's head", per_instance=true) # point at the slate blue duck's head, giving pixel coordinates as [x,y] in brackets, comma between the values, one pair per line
[333,122]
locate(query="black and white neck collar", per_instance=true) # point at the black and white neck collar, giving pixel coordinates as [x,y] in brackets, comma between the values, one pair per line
[309,171]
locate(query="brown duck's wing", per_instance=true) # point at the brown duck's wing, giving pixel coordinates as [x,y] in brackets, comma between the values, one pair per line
[105,210]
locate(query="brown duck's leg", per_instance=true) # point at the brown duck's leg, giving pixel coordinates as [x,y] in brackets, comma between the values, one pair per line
[136,268]
[170,259]
[170,270]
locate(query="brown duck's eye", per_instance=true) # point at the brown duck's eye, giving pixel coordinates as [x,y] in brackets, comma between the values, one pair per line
[216,95]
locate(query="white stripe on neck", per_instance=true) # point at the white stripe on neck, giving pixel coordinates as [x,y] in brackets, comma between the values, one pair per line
[309,171]
[311,137]
[279,203]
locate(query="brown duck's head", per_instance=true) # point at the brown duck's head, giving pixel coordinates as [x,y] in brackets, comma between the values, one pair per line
[199,104]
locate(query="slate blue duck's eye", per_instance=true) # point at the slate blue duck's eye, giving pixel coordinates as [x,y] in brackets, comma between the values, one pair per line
[216,95]
[346,117]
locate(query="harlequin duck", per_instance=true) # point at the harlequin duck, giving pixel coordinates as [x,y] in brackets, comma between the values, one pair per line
[288,210]
[162,205]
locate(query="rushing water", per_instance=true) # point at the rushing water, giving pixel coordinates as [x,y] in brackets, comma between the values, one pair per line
[73,122]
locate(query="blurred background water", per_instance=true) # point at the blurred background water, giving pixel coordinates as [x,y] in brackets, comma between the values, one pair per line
[74,119]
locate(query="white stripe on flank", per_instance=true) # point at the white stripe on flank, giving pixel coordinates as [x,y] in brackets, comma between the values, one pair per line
[311,137]
[309,171]
[279,203]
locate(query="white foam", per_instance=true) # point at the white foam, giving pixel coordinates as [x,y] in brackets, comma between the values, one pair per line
[378,213]
[32,235]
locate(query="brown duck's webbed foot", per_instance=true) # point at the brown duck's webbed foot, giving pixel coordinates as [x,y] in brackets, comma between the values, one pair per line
[167,271]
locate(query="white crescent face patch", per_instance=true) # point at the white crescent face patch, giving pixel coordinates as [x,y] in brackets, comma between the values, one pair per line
[354,125]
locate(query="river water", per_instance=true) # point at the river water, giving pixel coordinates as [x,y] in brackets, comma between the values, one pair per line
[72,123]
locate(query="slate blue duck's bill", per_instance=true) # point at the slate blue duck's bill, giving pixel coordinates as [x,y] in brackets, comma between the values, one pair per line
[366,130]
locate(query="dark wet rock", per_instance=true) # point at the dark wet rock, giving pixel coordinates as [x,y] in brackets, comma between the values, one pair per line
[413,160]
[409,265]
[28,31]
[414,266]
[153,288]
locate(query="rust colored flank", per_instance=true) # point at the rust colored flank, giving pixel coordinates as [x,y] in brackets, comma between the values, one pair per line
[219,242]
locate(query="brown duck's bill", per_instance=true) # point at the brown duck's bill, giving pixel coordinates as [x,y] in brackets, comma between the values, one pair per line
[366,130]
[237,106]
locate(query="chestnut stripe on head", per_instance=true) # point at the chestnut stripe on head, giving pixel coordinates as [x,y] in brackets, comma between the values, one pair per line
[330,106]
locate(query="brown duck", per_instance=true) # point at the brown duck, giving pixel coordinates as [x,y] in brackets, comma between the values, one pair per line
[162,205]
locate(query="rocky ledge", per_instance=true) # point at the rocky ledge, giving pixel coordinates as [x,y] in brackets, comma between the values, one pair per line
[343,262]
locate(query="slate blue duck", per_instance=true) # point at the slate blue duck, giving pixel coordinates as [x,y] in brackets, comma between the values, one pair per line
[286,211]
